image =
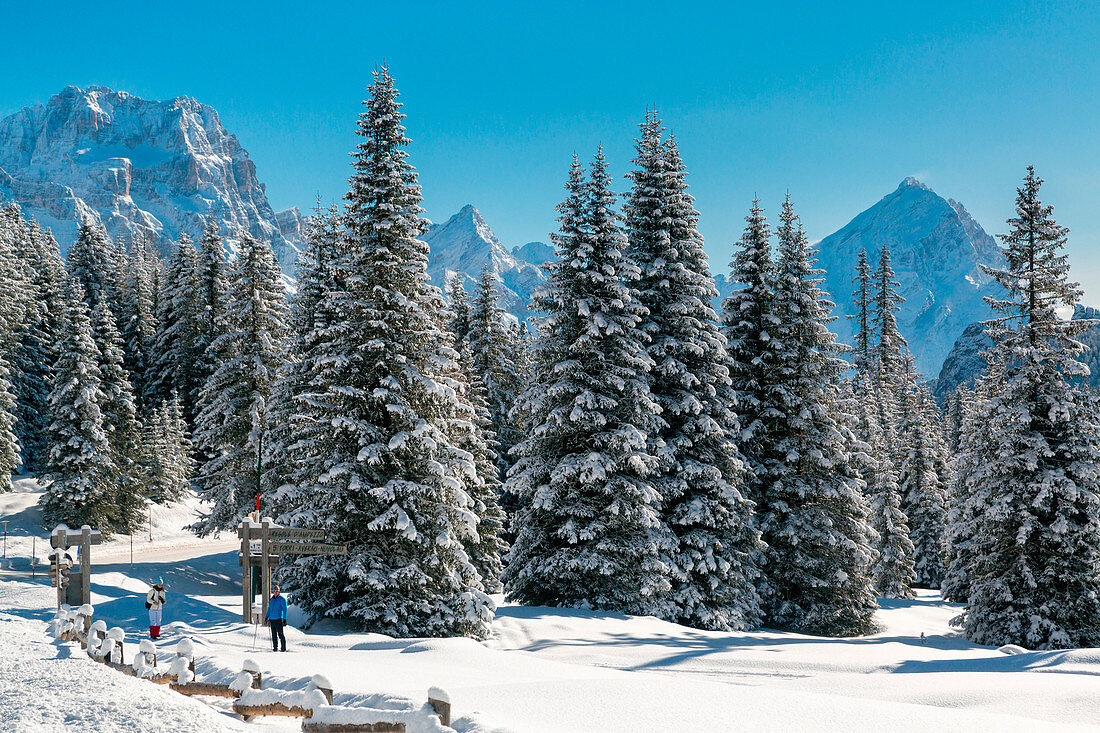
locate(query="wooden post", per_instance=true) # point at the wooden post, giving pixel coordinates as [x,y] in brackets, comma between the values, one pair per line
[246,572]
[85,564]
[265,565]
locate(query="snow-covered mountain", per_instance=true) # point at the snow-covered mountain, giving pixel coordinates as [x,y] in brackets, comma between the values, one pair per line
[965,363]
[136,165]
[936,250]
[465,243]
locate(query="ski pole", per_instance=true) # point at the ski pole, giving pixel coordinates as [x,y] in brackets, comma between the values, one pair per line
[255,630]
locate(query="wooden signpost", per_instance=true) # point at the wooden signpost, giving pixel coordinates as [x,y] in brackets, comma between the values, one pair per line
[263,543]
[62,538]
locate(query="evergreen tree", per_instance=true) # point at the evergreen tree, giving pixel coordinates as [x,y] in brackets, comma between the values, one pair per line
[91,263]
[1035,579]
[922,487]
[119,423]
[167,453]
[37,341]
[813,516]
[589,533]
[233,406]
[458,302]
[137,318]
[210,272]
[863,304]
[492,364]
[383,408]
[700,474]
[749,322]
[79,476]
[177,358]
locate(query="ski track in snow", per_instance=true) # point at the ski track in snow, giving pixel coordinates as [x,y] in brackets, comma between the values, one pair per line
[543,671]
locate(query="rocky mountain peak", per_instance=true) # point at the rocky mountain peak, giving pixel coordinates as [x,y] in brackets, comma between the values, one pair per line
[937,250]
[136,166]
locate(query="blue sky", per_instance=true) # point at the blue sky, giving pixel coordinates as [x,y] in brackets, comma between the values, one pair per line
[835,102]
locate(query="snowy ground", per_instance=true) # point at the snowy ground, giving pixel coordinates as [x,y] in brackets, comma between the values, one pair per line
[543,670]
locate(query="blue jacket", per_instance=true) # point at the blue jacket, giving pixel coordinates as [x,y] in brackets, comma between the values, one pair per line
[276,608]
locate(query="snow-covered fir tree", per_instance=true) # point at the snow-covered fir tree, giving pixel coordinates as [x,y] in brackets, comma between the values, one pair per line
[458,303]
[749,322]
[178,363]
[80,475]
[232,421]
[211,275]
[120,423]
[167,453]
[38,338]
[491,363]
[1035,575]
[137,317]
[813,515]
[91,263]
[920,477]
[309,316]
[589,532]
[700,473]
[381,416]
[892,572]
[863,350]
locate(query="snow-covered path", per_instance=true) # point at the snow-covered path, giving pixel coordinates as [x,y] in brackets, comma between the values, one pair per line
[48,686]
[543,671]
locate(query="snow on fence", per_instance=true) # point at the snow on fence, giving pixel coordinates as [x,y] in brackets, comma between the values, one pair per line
[314,703]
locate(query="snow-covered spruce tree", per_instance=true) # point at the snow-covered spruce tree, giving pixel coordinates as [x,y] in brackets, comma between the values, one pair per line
[137,318]
[308,318]
[80,476]
[922,489]
[233,405]
[119,423]
[589,532]
[892,571]
[813,515]
[91,263]
[458,303]
[37,342]
[889,353]
[1035,576]
[16,284]
[492,365]
[211,274]
[381,413]
[977,445]
[864,350]
[749,323]
[485,543]
[700,472]
[177,363]
[167,453]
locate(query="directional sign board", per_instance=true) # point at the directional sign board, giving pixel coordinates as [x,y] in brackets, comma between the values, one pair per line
[307,548]
[287,533]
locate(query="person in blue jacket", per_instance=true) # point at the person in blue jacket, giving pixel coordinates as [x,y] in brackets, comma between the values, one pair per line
[276,619]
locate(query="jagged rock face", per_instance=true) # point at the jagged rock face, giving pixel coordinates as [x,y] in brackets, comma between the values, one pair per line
[937,250]
[965,363]
[136,166]
[464,244]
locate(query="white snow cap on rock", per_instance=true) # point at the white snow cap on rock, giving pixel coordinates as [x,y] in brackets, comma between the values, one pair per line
[100,625]
[319,680]
[250,665]
[117,634]
[185,648]
[146,647]
[438,693]
[241,682]
[86,610]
